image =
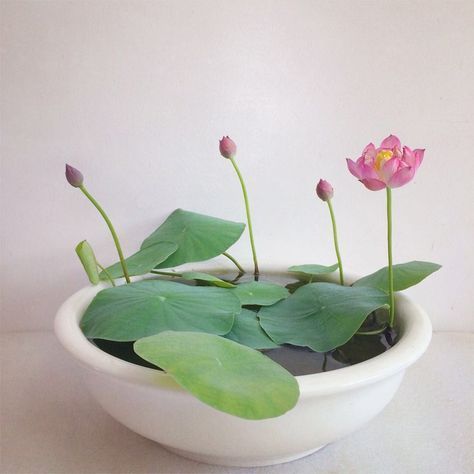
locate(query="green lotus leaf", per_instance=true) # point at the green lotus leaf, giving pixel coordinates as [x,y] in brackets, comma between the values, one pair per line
[129,312]
[312,270]
[206,277]
[405,275]
[247,331]
[222,373]
[321,316]
[260,293]
[86,256]
[141,262]
[197,236]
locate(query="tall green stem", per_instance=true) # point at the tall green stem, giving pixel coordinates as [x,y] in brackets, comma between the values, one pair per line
[112,231]
[390,262]
[336,244]
[249,220]
[234,261]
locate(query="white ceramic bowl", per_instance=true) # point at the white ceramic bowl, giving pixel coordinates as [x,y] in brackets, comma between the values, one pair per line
[331,405]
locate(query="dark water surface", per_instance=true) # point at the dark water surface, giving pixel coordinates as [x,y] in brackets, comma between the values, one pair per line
[297,360]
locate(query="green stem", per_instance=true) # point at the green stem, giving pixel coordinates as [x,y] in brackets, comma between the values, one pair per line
[249,220]
[371,333]
[390,261]
[237,278]
[336,244]
[106,273]
[234,261]
[325,362]
[112,231]
[172,274]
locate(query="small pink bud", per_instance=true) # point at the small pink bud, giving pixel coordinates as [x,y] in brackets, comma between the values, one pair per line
[74,177]
[324,190]
[227,147]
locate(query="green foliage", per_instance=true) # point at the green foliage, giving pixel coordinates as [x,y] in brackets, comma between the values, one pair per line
[86,256]
[197,236]
[312,270]
[321,316]
[247,331]
[141,262]
[260,293]
[206,277]
[223,374]
[405,275]
[129,312]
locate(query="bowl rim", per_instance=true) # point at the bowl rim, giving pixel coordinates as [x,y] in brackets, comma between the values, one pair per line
[415,335]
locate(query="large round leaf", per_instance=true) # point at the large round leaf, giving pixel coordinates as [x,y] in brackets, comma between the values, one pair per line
[129,312]
[142,261]
[223,374]
[321,316]
[247,331]
[198,237]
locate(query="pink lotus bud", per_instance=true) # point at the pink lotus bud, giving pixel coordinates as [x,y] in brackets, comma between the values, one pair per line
[227,147]
[324,190]
[74,177]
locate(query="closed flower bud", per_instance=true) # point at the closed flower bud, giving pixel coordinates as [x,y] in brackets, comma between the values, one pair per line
[324,190]
[74,177]
[227,147]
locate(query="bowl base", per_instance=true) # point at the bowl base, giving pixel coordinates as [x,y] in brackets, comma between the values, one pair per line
[239,461]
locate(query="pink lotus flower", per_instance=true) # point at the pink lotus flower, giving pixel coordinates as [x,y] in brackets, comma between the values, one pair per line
[390,165]
[227,147]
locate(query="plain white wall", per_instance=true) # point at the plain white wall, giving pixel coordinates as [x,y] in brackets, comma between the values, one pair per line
[137,94]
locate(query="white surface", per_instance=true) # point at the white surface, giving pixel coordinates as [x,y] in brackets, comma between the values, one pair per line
[51,425]
[153,405]
[137,93]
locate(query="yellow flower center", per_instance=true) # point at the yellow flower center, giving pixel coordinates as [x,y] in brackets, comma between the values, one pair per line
[381,158]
